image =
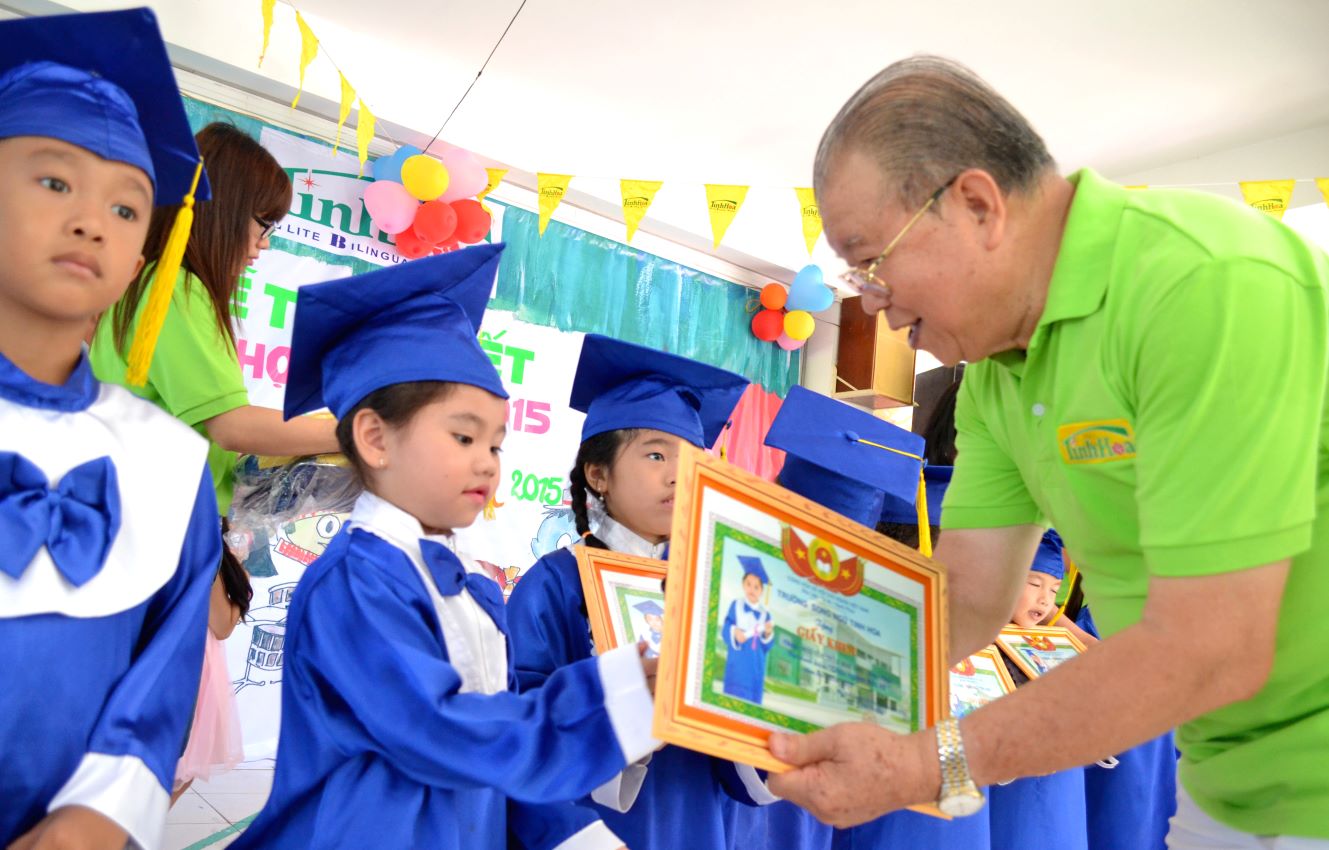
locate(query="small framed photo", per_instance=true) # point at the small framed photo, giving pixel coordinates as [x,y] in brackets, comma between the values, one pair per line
[1037,650]
[978,680]
[624,598]
[781,615]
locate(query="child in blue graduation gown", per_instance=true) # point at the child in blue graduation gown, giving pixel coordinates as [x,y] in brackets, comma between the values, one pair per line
[857,465]
[108,528]
[653,614]
[748,632]
[639,404]
[401,726]
[1040,811]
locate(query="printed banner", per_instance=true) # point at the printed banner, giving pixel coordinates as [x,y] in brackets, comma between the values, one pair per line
[637,197]
[807,204]
[1268,196]
[550,188]
[722,204]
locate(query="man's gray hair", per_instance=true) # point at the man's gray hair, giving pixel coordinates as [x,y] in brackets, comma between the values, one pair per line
[926,119]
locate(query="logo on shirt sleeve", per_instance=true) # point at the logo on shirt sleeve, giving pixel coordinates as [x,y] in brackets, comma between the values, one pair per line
[1096,442]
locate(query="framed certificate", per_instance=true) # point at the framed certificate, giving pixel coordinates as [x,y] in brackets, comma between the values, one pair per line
[624,598]
[1037,650]
[782,615]
[978,680]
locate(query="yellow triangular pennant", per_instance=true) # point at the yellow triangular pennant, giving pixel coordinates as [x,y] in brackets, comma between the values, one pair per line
[551,188]
[308,50]
[364,134]
[1323,183]
[268,6]
[495,177]
[722,202]
[637,197]
[807,203]
[347,101]
[1269,196]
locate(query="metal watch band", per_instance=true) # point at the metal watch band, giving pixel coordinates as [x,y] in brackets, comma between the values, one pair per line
[950,750]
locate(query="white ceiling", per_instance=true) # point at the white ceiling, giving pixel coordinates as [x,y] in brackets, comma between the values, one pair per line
[695,91]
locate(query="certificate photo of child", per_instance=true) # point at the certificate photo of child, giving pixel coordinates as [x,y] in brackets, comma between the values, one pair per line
[748,632]
[653,615]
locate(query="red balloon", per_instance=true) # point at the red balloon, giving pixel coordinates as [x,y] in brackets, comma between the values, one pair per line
[472,221]
[412,247]
[767,325]
[435,222]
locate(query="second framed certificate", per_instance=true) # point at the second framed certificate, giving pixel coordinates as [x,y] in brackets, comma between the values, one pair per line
[624,598]
[782,615]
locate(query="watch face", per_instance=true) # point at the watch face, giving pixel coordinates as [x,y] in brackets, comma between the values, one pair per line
[961,804]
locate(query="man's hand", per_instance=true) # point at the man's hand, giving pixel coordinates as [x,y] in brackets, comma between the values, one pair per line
[73,828]
[855,772]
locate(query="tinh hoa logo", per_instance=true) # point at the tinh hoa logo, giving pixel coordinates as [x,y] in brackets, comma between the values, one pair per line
[720,205]
[821,562]
[637,203]
[1096,442]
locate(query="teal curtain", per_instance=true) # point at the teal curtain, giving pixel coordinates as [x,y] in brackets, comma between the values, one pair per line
[576,281]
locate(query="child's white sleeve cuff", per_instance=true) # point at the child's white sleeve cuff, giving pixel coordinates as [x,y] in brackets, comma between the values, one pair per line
[753,784]
[595,836]
[123,789]
[621,792]
[628,701]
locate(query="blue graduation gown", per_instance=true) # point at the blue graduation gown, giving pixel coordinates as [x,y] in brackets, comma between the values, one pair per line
[745,667]
[378,746]
[1040,813]
[782,825]
[918,832]
[1130,805]
[687,799]
[99,682]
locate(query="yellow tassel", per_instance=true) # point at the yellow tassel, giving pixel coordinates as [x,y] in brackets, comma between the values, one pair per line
[924,524]
[1071,572]
[153,316]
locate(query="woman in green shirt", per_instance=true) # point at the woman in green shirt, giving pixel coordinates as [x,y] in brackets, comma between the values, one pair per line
[195,375]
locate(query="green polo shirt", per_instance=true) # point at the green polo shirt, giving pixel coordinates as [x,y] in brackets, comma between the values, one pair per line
[1168,419]
[194,374]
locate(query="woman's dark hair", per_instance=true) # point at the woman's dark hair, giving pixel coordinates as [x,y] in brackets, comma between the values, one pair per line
[395,404]
[601,450]
[235,581]
[939,432]
[247,183]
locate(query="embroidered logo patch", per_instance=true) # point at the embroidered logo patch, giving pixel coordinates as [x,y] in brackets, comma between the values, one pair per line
[1096,442]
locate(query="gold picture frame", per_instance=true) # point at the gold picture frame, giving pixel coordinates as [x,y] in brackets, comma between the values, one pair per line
[856,628]
[614,584]
[978,680]
[1038,649]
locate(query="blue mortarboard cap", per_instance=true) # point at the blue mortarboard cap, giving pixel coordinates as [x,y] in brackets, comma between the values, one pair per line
[752,567]
[621,385]
[1048,558]
[416,321]
[830,459]
[937,479]
[650,606]
[101,81]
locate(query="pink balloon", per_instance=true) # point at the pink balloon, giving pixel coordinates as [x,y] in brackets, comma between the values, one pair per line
[390,206]
[790,344]
[467,177]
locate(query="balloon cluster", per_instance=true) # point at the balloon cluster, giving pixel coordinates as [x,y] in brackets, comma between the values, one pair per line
[428,204]
[786,317]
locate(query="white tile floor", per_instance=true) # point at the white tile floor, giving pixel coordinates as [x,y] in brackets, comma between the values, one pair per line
[205,816]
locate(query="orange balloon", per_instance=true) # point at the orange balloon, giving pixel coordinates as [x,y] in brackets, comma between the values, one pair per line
[773,296]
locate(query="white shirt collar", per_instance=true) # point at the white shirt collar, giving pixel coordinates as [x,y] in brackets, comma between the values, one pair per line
[619,538]
[385,520]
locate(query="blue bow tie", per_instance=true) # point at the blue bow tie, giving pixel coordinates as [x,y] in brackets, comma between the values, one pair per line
[751,610]
[76,521]
[450,577]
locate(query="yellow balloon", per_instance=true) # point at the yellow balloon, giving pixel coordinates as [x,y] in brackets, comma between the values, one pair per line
[424,177]
[799,324]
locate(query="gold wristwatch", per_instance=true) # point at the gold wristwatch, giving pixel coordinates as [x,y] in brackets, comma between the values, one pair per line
[960,797]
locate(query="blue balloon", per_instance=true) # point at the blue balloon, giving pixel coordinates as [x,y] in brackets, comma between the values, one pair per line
[809,291]
[389,167]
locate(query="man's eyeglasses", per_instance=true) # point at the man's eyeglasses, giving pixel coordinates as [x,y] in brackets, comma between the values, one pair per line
[861,278]
[266,228]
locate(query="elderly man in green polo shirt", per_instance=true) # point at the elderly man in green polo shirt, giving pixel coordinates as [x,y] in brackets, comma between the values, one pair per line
[1147,375]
